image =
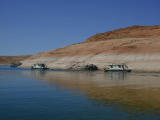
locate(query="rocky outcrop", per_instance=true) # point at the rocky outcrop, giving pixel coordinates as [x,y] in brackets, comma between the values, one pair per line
[91,67]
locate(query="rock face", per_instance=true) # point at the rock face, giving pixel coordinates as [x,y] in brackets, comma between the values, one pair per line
[137,46]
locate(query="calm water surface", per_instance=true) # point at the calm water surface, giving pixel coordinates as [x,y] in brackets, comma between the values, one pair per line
[68,95]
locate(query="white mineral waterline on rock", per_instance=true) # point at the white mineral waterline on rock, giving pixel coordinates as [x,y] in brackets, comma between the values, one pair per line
[139,62]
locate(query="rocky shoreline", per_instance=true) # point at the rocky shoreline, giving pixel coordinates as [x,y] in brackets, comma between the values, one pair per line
[137,62]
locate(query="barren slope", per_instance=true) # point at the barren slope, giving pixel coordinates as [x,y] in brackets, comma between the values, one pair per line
[113,46]
[135,39]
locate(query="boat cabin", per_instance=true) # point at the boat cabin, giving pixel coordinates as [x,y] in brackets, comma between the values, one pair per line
[117,67]
[39,66]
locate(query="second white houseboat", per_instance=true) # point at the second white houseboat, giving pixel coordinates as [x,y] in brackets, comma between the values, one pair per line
[117,67]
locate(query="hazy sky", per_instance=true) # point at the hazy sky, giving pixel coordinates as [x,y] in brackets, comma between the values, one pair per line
[32,26]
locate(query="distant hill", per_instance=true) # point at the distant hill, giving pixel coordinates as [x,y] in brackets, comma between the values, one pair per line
[12,59]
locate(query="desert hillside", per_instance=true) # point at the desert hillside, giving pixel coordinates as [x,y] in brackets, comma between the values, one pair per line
[133,39]
[12,59]
[129,32]
[137,46]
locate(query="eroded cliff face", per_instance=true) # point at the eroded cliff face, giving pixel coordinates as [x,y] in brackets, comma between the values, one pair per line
[138,47]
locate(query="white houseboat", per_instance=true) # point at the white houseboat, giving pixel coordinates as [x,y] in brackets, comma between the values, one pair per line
[117,67]
[39,66]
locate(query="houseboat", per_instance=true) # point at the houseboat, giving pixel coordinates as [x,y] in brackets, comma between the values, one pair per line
[117,67]
[39,66]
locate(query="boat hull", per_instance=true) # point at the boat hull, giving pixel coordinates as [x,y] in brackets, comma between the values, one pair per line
[118,70]
[39,68]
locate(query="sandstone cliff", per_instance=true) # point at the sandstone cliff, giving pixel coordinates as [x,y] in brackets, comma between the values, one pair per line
[137,46]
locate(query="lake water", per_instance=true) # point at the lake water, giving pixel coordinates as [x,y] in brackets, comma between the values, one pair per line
[69,95]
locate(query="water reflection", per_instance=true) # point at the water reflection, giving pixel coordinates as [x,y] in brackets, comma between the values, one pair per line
[133,91]
[117,75]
